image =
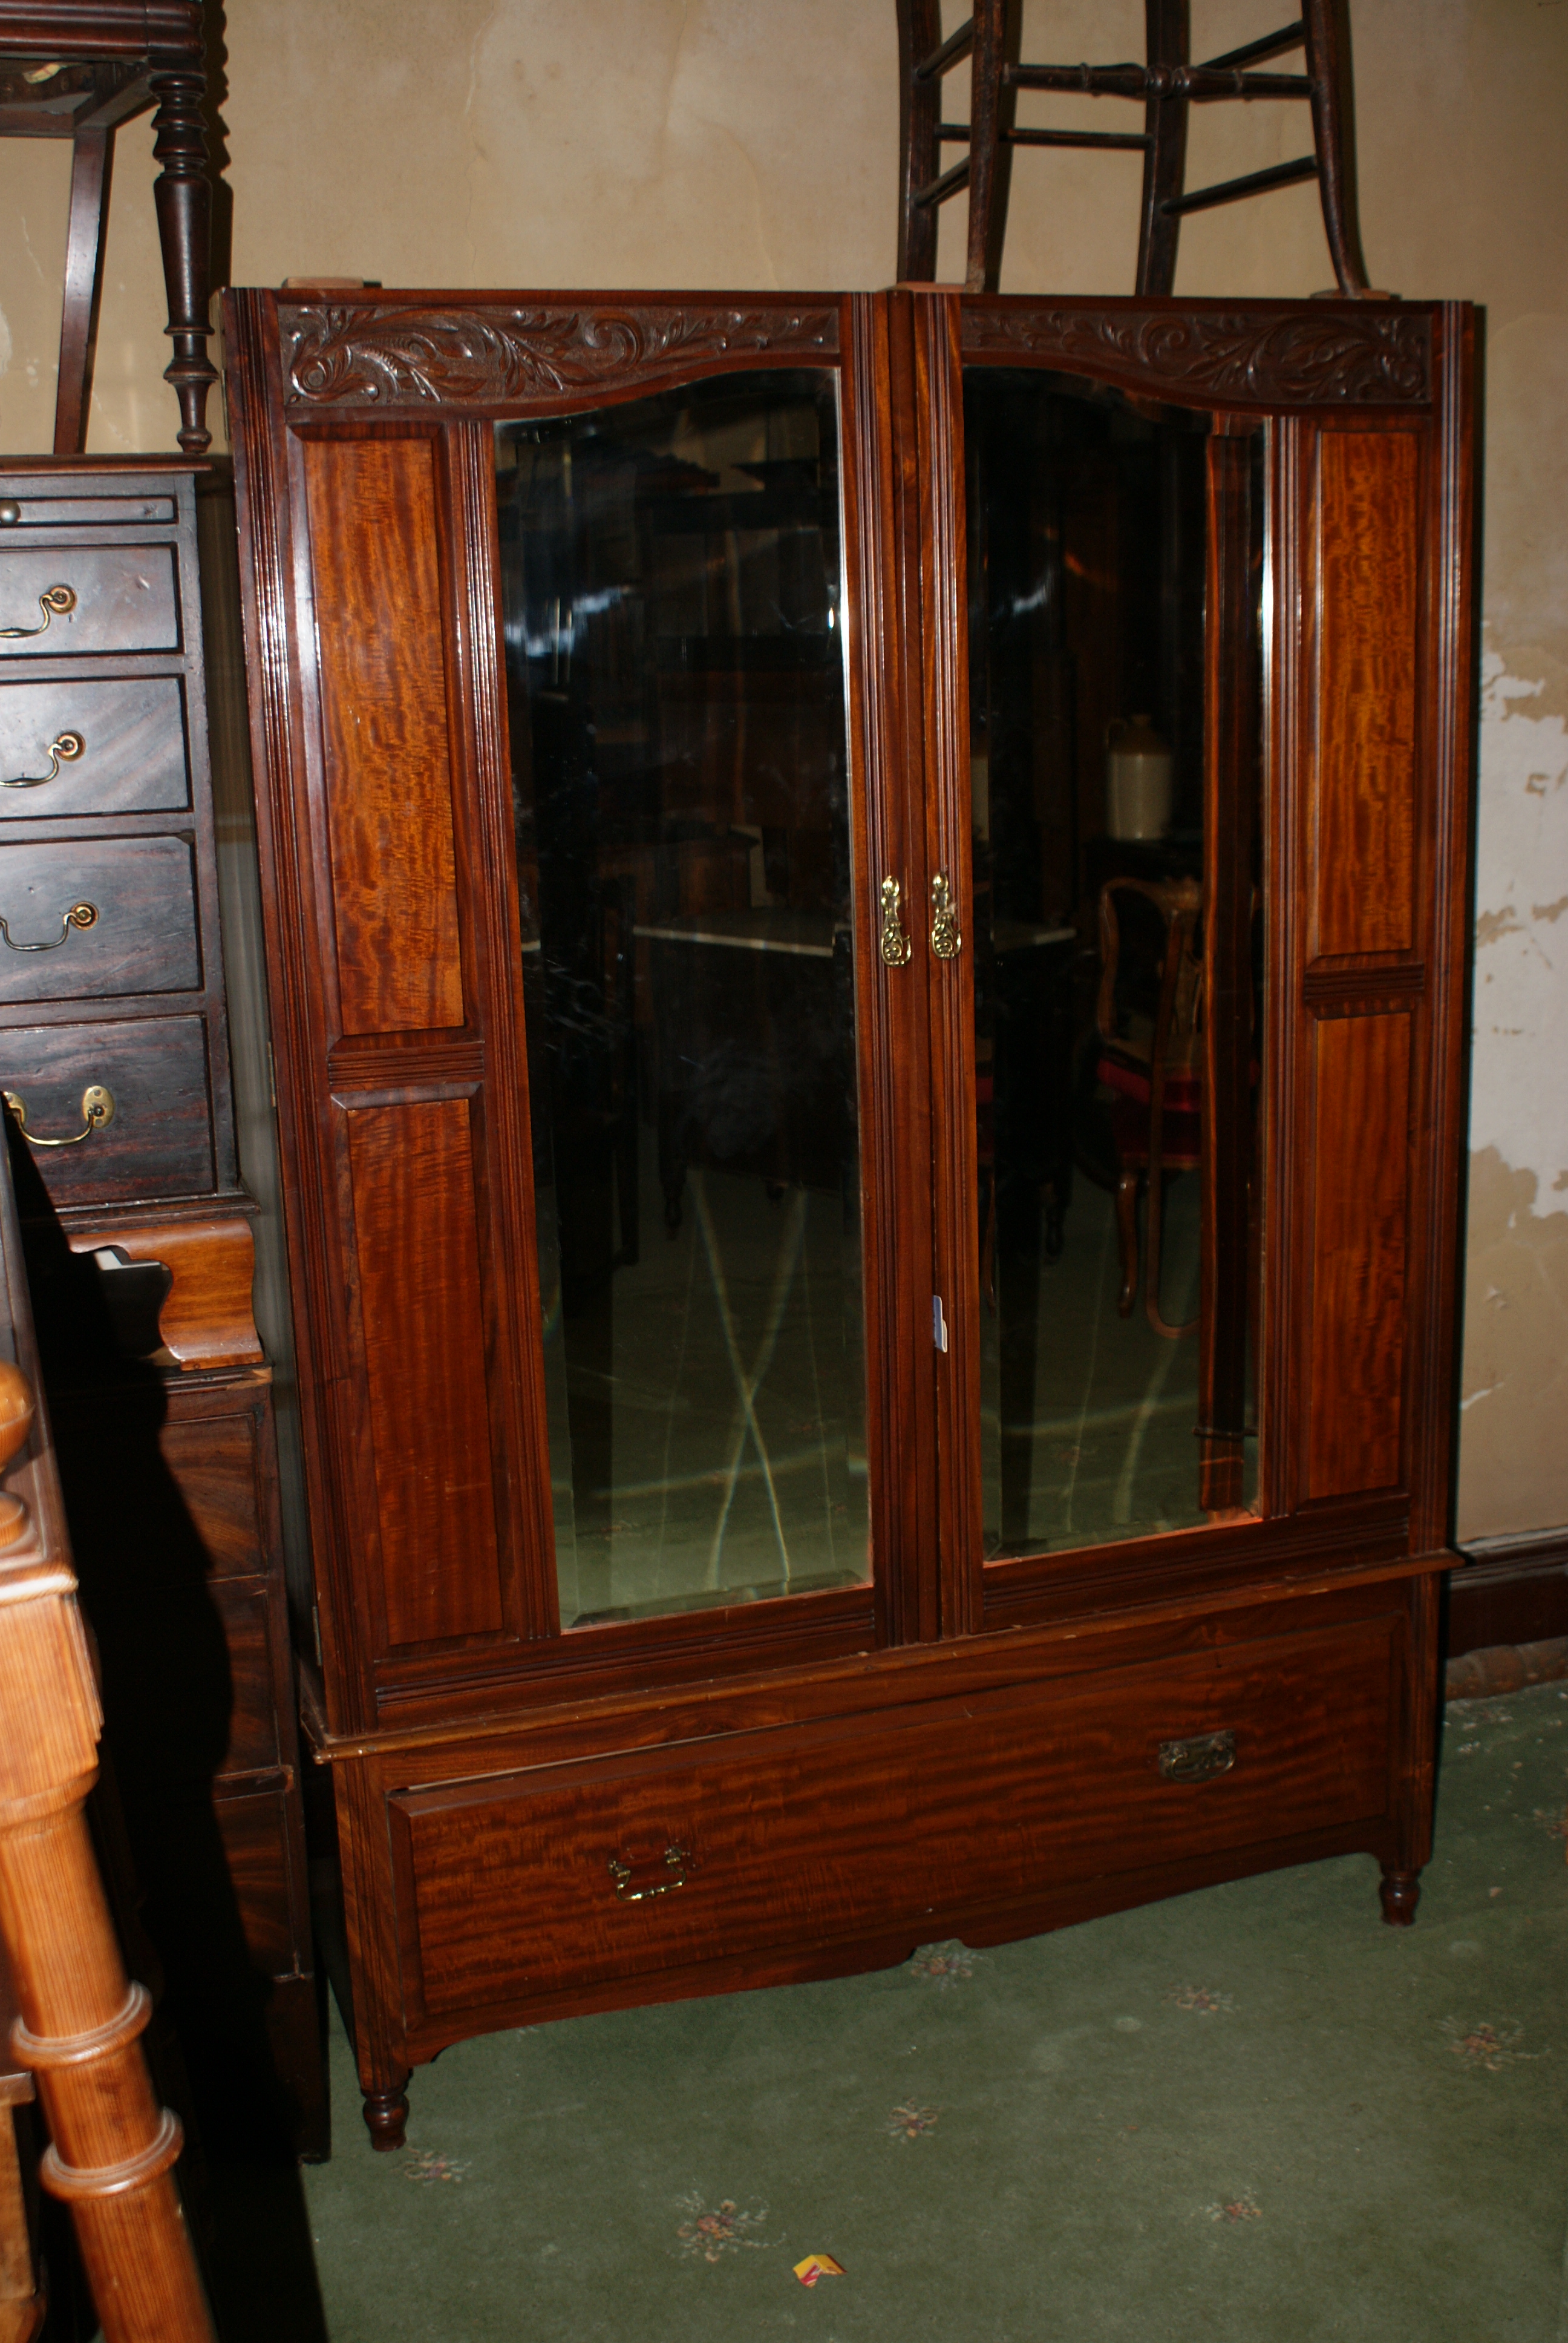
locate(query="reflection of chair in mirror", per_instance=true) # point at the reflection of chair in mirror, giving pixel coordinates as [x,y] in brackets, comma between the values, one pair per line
[1148,1019]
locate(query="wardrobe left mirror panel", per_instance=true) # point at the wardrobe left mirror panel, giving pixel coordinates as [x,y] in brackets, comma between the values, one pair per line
[672,609]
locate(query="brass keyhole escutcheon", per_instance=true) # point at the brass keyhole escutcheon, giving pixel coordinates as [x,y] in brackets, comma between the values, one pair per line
[97,1113]
[947,938]
[894,941]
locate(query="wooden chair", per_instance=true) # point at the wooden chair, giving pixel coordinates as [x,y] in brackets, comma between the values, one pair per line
[1166,84]
[1153,1064]
[76,69]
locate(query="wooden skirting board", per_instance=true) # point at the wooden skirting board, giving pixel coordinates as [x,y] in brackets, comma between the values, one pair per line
[1515,1589]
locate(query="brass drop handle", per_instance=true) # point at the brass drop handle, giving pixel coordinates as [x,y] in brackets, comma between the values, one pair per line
[54,601]
[64,748]
[97,1112]
[947,937]
[79,915]
[894,941]
[1200,1759]
[676,1858]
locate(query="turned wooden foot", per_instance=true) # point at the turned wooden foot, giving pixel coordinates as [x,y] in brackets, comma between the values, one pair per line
[1401,1893]
[385,2113]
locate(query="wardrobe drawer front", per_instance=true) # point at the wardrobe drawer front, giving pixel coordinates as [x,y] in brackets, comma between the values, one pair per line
[159,1141]
[114,745]
[84,919]
[122,598]
[509,1886]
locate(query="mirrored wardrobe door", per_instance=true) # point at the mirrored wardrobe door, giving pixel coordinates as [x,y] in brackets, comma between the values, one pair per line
[695,926]
[1108,781]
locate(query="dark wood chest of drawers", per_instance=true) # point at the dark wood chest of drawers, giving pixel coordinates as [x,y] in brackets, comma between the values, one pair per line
[115,1057]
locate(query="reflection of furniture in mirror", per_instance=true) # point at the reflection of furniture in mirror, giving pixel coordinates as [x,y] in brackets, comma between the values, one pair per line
[1166,84]
[756,1602]
[77,70]
[1154,1065]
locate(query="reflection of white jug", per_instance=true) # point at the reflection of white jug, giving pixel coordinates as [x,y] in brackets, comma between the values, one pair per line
[1137,778]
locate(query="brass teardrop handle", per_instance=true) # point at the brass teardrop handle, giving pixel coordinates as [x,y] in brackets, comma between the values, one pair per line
[894,942]
[64,748]
[676,1858]
[947,938]
[79,915]
[97,1112]
[54,601]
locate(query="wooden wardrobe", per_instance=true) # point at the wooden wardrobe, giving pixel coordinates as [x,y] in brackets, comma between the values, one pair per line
[751,1538]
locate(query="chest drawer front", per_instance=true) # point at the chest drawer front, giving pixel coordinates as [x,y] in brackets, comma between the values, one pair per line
[122,598]
[509,1887]
[159,1142]
[99,745]
[140,936]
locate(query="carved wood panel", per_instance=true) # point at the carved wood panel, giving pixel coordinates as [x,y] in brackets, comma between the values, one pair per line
[1366,543]
[421,1324]
[385,732]
[494,354]
[1264,355]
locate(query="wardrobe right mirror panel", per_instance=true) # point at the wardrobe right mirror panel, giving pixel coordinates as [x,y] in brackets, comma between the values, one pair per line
[1115,566]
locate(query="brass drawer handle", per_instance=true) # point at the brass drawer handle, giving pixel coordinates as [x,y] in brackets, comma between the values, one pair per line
[947,939]
[80,915]
[54,601]
[64,747]
[97,1110]
[1200,1759]
[894,942]
[676,1858]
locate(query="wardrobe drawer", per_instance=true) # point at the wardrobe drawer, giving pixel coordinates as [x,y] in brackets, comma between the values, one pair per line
[80,917]
[122,598]
[159,1142]
[579,1876]
[99,745]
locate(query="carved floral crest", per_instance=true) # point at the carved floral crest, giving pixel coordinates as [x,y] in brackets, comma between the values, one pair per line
[1369,357]
[372,355]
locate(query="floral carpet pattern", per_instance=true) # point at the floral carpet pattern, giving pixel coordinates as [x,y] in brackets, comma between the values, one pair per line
[1266,2114]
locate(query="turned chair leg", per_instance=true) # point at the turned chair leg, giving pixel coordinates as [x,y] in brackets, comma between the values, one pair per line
[992,107]
[1328,51]
[1165,161]
[92,167]
[920,110]
[1127,1240]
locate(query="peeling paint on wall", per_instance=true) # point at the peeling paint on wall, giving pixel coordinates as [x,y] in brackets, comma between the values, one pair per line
[1520,1006]
[1513,1454]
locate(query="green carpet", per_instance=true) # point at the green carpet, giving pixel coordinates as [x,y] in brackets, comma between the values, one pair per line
[1251,2112]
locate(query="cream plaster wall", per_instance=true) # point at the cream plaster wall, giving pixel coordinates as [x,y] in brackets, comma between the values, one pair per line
[717,142]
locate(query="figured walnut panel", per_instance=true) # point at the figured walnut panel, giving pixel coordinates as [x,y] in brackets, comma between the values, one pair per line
[422,1326]
[1368,556]
[1362,1073]
[384,741]
[507,1887]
